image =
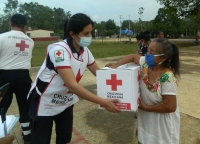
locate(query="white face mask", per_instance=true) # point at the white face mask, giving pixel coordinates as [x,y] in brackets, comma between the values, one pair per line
[84,41]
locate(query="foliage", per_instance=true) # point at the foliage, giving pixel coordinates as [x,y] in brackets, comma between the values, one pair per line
[39,16]
[168,20]
[175,18]
[140,12]
[184,8]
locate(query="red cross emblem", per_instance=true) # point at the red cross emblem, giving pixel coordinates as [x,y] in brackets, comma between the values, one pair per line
[22,45]
[58,53]
[114,82]
[78,78]
[138,77]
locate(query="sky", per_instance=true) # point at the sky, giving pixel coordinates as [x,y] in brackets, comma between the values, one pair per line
[102,10]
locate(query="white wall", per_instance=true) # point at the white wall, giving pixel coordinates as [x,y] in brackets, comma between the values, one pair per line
[39,33]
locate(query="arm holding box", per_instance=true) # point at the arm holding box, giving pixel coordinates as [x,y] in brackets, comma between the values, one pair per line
[70,81]
[93,68]
[168,105]
[130,58]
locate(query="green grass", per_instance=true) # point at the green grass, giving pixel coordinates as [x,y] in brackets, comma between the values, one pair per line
[98,49]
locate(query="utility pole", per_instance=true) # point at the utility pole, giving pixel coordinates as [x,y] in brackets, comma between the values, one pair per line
[120,17]
[129,26]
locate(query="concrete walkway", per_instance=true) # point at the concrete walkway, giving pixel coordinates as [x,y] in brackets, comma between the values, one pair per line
[93,126]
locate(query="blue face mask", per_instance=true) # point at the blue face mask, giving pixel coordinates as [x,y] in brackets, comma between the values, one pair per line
[149,58]
[84,41]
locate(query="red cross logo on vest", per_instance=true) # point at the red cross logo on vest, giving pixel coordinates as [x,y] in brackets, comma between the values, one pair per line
[78,78]
[22,45]
[138,77]
[58,53]
[114,82]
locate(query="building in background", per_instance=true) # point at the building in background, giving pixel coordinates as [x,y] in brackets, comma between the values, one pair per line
[41,35]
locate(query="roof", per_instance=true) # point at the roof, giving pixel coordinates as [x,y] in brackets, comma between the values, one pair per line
[39,29]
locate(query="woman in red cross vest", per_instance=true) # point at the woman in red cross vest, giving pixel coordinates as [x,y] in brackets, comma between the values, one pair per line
[56,87]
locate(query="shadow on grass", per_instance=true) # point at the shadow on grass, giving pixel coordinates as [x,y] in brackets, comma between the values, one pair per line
[189,68]
[191,54]
[119,128]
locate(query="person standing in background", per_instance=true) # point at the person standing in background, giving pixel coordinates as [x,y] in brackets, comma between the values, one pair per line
[197,39]
[15,61]
[143,40]
[159,34]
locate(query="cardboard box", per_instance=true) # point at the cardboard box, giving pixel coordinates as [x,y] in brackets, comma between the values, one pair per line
[122,83]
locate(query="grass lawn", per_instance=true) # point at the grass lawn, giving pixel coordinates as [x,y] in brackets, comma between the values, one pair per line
[98,49]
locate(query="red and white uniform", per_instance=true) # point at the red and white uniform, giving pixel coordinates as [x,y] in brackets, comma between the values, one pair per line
[55,97]
[15,50]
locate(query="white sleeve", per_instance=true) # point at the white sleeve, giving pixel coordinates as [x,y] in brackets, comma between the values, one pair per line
[1,41]
[60,57]
[169,88]
[90,58]
[142,60]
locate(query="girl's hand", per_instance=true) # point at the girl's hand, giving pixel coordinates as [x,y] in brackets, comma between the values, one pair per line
[111,65]
[110,106]
[142,105]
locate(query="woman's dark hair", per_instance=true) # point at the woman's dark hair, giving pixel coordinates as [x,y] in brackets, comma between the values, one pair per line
[172,52]
[143,35]
[76,24]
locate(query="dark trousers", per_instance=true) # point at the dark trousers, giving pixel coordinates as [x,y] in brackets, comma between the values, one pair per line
[20,84]
[42,129]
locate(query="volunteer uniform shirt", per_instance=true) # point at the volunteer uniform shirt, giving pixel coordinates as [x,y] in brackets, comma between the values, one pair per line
[53,96]
[15,50]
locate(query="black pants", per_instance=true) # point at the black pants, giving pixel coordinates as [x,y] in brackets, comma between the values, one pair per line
[20,84]
[42,129]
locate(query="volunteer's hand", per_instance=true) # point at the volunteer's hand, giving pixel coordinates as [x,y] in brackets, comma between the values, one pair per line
[7,139]
[142,105]
[112,65]
[110,106]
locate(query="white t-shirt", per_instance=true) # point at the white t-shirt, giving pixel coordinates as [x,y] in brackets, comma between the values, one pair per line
[15,50]
[153,127]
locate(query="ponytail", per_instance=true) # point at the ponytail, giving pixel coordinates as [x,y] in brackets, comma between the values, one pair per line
[66,35]
[175,62]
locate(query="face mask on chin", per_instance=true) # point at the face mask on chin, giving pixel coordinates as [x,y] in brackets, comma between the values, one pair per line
[84,41]
[149,58]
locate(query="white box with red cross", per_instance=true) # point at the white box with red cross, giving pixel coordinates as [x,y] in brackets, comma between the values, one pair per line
[122,83]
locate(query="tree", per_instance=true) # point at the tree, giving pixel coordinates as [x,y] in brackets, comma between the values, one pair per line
[11,7]
[59,17]
[168,21]
[110,25]
[184,8]
[140,12]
